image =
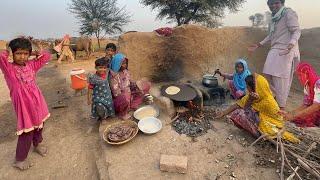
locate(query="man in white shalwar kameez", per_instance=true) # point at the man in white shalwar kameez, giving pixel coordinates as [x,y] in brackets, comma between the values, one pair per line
[284,55]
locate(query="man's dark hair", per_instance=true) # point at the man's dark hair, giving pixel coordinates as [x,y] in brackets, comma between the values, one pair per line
[282,1]
[101,62]
[111,46]
[20,43]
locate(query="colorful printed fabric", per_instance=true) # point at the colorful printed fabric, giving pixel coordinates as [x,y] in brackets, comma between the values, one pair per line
[236,94]
[246,119]
[102,104]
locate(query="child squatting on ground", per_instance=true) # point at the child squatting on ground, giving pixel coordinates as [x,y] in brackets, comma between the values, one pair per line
[99,93]
[28,102]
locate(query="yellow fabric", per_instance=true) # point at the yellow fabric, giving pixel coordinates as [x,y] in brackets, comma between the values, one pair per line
[270,121]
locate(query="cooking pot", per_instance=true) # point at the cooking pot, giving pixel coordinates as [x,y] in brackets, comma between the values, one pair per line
[209,80]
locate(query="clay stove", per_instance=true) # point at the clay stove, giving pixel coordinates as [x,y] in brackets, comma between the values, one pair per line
[192,118]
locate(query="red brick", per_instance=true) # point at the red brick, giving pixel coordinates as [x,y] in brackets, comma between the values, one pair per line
[176,164]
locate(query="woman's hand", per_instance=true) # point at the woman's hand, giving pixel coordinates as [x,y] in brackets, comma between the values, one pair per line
[220,114]
[254,47]
[217,71]
[286,115]
[254,95]
[36,53]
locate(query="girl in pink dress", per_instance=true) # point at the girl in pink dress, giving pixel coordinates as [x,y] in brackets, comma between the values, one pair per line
[28,102]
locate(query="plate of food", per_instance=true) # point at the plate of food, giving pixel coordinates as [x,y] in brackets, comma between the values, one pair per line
[120,132]
[146,111]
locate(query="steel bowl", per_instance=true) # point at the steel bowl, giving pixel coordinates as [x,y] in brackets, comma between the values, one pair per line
[150,125]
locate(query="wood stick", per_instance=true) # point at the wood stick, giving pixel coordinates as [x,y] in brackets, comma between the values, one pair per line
[312,146]
[311,154]
[298,158]
[309,169]
[175,118]
[294,170]
[282,158]
[261,137]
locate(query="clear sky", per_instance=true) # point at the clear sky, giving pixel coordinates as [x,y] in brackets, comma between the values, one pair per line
[50,18]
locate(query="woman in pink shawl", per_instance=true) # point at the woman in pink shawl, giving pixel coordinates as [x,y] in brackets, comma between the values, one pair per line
[308,114]
[126,94]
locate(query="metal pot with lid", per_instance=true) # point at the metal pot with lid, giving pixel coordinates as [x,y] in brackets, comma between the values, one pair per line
[209,80]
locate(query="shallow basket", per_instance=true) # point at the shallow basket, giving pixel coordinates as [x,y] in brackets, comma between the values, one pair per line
[130,123]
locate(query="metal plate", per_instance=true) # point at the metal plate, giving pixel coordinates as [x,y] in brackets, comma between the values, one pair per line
[186,93]
[145,107]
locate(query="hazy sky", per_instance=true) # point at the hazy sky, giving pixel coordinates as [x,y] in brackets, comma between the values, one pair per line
[50,18]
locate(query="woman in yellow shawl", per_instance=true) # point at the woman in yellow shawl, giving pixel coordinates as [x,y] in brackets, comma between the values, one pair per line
[258,112]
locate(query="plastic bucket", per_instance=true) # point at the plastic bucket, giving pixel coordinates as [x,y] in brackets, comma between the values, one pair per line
[78,79]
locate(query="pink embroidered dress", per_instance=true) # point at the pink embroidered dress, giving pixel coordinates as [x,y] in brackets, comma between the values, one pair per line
[28,102]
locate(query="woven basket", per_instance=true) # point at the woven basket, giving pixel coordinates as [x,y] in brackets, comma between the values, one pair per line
[130,123]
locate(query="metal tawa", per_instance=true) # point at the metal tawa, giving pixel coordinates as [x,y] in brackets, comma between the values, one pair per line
[186,93]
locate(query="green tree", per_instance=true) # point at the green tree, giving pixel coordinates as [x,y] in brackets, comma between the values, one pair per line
[252,18]
[259,19]
[196,11]
[99,17]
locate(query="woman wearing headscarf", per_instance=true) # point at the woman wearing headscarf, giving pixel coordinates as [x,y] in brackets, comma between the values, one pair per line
[258,112]
[284,55]
[65,49]
[308,114]
[126,93]
[236,83]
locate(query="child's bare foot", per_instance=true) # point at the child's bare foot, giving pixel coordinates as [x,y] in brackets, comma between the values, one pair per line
[42,150]
[22,165]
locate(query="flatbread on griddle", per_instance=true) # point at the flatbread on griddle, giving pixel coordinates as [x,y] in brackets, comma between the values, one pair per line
[172,90]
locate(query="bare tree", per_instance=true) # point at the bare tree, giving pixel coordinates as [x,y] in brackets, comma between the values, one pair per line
[99,17]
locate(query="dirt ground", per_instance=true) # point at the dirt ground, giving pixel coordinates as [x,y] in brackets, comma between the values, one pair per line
[76,150]
[221,153]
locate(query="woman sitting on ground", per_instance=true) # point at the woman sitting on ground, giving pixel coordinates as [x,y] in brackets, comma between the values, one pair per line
[308,114]
[236,81]
[258,112]
[126,94]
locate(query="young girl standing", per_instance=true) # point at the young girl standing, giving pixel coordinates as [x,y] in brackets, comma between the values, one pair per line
[99,93]
[28,102]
